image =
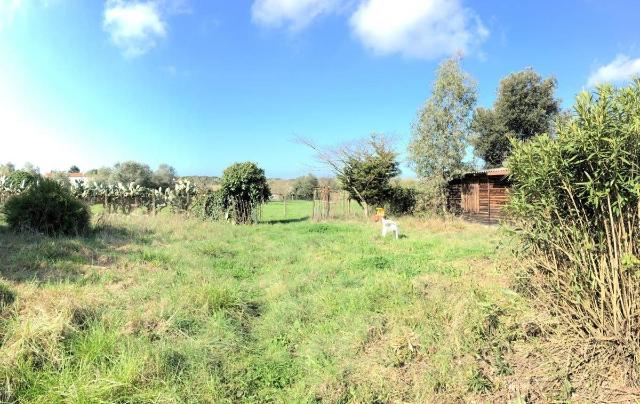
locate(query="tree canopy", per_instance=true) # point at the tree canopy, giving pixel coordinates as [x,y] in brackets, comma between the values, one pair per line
[525,107]
[368,170]
[164,176]
[440,132]
[243,187]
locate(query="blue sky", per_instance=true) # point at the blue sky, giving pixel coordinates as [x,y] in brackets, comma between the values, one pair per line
[203,84]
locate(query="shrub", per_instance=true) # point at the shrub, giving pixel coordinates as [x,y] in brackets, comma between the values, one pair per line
[209,206]
[575,203]
[401,200]
[48,208]
[244,187]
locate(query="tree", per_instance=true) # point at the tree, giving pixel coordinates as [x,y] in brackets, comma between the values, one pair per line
[244,187]
[491,143]
[164,176]
[303,187]
[102,176]
[525,107]
[74,169]
[440,133]
[369,169]
[132,171]
[363,168]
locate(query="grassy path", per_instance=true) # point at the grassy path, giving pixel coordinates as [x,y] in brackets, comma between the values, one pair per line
[167,310]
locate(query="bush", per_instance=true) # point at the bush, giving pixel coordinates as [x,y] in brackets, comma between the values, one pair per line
[47,208]
[244,187]
[401,200]
[209,206]
[575,203]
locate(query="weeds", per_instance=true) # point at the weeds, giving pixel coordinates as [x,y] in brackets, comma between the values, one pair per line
[292,312]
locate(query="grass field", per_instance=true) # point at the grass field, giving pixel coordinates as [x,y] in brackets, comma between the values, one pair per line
[163,309]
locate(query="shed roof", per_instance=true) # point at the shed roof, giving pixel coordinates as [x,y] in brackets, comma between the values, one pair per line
[499,171]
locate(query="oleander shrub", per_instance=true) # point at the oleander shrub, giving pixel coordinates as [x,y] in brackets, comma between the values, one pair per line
[575,203]
[47,207]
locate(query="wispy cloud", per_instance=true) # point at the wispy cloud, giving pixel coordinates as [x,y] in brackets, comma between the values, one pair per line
[294,14]
[418,28]
[620,69]
[134,27]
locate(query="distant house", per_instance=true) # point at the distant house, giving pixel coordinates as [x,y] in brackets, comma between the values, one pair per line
[480,195]
[74,178]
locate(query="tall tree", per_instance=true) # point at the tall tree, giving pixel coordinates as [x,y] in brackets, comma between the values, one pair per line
[525,107]
[74,169]
[441,130]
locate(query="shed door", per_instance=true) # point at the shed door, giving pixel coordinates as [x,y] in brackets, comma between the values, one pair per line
[471,198]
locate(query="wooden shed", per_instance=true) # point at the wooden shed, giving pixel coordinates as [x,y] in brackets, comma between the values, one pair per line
[480,195]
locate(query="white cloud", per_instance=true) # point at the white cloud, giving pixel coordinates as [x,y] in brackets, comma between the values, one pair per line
[296,14]
[620,69]
[133,26]
[418,28]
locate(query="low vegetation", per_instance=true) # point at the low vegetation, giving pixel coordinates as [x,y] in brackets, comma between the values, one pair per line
[159,309]
[49,208]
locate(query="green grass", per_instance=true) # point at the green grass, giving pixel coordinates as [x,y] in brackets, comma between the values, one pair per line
[162,309]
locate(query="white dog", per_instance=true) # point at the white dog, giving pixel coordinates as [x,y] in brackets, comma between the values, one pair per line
[389,226]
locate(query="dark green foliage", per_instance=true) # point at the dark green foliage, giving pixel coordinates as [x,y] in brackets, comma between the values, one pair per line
[525,107]
[74,169]
[401,200]
[209,205]
[48,208]
[491,143]
[367,173]
[575,201]
[244,187]
[16,178]
[303,187]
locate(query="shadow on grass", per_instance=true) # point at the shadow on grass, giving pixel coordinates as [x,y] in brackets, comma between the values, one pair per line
[32,257]
[285,221]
